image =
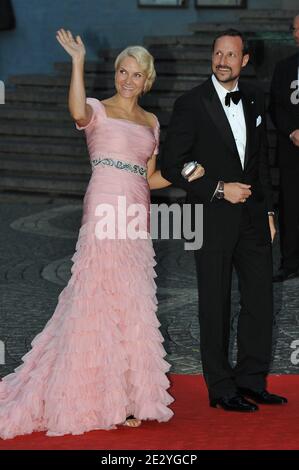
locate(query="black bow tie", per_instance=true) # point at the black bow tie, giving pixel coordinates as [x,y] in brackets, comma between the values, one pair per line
[235,96]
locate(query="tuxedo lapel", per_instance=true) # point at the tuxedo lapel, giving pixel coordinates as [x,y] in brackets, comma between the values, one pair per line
[216,112]
[250,119]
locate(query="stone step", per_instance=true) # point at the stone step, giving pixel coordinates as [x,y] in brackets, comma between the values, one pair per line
[41,140]
[174,41]
[169,54]
[169,87]
[100,80]
[32,105]
[49,129]
[23,94]
[48,165]
[57,131]
[39,184]
[10,112]
[18,115]
[268,15]
[44,148]
[39,95]
[162,68]
[39,100]
[244,27]
[38,83]
[277,21]
[97,82]
[54,97]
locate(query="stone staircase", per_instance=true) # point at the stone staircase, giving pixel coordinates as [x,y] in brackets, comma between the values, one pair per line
[40,149]
[254,23]
[266,16]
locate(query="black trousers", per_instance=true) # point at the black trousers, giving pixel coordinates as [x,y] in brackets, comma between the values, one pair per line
[289,218]
[253,264]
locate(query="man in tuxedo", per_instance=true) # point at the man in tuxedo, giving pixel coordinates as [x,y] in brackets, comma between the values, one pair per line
[221,124]
[284,110]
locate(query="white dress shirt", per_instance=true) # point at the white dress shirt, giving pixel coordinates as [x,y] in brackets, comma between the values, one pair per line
[235,116]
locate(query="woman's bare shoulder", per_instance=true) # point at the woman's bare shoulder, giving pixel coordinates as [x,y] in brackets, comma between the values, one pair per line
[151,118]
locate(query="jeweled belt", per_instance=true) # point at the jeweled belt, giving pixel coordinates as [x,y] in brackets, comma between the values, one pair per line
[121,165]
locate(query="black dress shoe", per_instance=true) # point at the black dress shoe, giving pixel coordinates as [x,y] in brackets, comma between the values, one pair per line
[263,397]
[285,275]
[236,403]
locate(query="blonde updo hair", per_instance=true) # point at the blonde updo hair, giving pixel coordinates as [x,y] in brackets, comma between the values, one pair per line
[144,59]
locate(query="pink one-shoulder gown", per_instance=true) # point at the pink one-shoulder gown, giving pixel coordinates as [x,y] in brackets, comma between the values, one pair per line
[100,357]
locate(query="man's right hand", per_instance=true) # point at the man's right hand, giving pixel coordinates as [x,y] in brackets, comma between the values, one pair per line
[236,192]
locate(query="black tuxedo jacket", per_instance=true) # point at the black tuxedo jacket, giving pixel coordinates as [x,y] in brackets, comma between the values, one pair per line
[284,113]
[199,130]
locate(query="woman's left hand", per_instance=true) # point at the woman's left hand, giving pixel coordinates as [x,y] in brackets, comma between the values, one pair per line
[198,173]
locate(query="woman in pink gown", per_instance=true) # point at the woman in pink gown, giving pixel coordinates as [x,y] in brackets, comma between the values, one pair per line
[100,359]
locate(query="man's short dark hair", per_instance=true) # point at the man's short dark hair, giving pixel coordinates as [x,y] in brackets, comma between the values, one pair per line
[233,33]
[292,29]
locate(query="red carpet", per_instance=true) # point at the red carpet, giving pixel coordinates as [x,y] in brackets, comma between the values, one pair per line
[195,426]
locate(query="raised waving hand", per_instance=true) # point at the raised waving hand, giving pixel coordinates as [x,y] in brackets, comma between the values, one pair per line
[73,46]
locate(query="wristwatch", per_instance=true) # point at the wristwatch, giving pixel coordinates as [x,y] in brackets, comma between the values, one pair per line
[220,190]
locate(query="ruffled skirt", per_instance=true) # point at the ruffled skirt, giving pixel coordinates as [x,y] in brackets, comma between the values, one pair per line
[100,357]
